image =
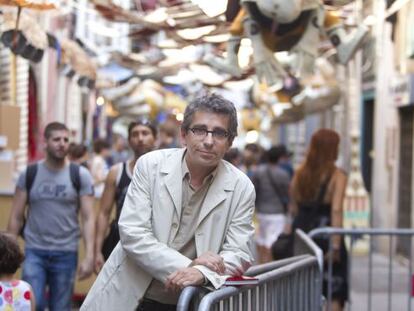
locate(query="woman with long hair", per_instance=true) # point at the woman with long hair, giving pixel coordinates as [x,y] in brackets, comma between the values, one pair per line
[317,194]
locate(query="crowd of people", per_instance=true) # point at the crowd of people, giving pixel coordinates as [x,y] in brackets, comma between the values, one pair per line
[183,216]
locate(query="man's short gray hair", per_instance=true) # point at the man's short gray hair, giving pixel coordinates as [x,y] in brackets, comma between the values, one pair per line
[212,103]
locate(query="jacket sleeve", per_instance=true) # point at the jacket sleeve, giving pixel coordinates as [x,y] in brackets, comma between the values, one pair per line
[136,233]
[237,249]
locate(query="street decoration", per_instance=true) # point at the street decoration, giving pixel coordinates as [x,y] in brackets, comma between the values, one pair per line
[271,25]
[34,5]
[76,61]
[24,36]
[320,92]
[294,26]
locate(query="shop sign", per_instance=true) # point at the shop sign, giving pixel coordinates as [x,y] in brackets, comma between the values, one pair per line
[402,89]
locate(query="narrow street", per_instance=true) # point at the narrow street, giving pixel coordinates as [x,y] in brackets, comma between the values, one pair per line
[380,301]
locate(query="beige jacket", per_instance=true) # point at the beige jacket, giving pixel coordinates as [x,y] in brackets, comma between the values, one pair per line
[151,214]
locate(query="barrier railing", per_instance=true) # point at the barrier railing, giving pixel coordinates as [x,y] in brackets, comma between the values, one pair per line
[289,284]
[192,295]
[382,272]
[293,287]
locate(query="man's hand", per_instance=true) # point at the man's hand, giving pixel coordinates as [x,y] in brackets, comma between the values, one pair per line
[181,278]
[212,261]
[85,268]
[99,262]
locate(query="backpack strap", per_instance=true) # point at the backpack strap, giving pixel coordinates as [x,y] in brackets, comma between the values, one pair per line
[74,171]
[31,172]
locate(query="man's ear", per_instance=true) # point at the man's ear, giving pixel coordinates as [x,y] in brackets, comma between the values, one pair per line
[230,144]
[44,143]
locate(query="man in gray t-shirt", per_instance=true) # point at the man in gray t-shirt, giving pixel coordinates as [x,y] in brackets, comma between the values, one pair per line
[51,230]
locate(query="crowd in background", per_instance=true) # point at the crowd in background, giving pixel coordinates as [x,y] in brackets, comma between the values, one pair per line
[280,193]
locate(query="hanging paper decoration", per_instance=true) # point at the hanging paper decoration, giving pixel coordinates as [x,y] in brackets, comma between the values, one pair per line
[77,61]
[35,5]
[24,36]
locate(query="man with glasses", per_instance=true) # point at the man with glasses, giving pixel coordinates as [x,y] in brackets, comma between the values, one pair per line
[55,191]
[186,220]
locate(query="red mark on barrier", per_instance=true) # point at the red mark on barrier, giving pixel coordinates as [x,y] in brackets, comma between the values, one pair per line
[412,285]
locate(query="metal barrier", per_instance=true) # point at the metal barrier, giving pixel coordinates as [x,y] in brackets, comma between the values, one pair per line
[289,284]
[376,277]
[192,295]
[292,287]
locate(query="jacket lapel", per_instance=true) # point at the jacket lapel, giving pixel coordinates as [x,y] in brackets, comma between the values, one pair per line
[171,168]
[217,193]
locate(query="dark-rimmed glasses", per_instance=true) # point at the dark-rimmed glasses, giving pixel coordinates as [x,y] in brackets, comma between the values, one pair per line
[201,133]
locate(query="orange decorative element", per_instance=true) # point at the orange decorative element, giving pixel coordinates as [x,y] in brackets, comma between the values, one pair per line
[36,5]
[236,28]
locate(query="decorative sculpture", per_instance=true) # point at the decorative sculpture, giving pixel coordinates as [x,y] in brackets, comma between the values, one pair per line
[294,26]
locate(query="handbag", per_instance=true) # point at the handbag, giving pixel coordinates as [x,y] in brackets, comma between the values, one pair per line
[111,240]
[283,247]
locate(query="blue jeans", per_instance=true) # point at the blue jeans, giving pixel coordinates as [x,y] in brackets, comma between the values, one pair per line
[55,269]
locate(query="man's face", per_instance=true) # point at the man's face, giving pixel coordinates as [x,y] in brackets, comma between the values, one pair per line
[141,139]
[249,157]
[57,145]
[206,151]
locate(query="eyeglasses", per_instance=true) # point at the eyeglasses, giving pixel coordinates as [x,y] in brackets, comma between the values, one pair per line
[202,133]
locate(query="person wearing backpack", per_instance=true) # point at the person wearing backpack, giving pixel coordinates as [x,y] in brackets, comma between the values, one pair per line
[55,191]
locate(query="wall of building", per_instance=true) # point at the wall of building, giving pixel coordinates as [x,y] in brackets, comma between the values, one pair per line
[392,66]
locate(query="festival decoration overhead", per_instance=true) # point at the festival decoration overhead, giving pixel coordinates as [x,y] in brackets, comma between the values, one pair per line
[184,21]
[270,26]
[180,44]
[77,61]
[24,36]
[294,26]
[321,91]
[24,4]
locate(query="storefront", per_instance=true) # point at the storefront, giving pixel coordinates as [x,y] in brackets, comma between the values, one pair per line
[404,99]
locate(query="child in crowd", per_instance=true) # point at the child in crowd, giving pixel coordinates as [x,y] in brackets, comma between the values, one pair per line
[14,294]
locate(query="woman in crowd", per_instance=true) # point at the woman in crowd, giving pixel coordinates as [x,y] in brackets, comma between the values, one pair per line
[317,193]
[271,183]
